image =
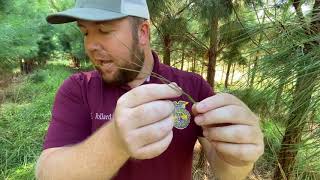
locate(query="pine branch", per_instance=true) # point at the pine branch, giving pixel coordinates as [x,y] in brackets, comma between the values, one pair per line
[252,40]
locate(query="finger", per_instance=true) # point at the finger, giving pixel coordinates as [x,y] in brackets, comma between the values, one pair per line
[231,114]
[147,93]
[217,101]
[152,133]
[239,152]
[150,113]
[194,109]
[155,149]
[237,134]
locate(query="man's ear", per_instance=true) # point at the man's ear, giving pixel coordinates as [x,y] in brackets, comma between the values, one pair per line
[144,33]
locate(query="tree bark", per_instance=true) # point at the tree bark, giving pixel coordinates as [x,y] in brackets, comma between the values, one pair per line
[194,64]
[222,73]
[202,68]
[188,65]
[213,51]
[279,93]
[167,49]
[227,75]
[233,70]
[182,59]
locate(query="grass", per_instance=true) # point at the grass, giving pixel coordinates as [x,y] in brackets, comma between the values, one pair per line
[24,118]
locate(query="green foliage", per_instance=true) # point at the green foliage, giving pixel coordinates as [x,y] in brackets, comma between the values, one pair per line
[38,77]
[71,40]
[272,138]
[24,120]
[211,9]
[258,101]
[26,35]
[45,43]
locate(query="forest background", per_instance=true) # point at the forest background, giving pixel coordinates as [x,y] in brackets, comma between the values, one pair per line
[266,52]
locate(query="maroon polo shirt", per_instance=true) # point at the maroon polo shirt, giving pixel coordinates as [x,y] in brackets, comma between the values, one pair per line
[84,103]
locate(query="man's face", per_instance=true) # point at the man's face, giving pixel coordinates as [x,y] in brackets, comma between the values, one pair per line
[113,45]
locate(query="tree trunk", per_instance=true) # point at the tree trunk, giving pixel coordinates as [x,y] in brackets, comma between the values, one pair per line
[233,70]
[182,59]
[167,49]
[295,125]
[202,68]
[297,6]
[227,75]
[212,60]
[194,64]
[213,51]
[74,61]
[188,65]
[22,66]
[279,93]
[304,89]
[26,66]
[254,69]
[222,73]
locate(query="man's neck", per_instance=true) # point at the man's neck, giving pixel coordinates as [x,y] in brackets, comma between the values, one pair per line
[145,71]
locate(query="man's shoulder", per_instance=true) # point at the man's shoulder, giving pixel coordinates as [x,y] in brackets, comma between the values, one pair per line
[84,76]
[80,80]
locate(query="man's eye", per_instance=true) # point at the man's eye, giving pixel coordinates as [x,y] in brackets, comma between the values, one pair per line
[105,31]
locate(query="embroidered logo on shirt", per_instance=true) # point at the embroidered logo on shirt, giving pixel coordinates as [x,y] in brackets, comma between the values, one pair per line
[101,116]
[181,115]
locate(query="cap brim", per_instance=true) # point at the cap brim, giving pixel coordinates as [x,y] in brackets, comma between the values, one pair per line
[88,14]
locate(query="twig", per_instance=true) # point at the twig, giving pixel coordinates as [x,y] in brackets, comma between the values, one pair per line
[164,81]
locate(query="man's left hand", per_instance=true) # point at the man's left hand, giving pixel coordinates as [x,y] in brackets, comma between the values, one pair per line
[232,129]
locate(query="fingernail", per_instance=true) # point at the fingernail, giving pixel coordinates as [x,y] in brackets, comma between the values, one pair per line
[175,85]
[200,106]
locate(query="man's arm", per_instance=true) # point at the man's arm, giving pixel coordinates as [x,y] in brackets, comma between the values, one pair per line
[221,169]
[134,132]
[98,157]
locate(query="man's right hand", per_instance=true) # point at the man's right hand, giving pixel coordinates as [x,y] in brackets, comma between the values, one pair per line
[144,120]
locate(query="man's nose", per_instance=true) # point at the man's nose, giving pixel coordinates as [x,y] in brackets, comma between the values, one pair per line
[92,43]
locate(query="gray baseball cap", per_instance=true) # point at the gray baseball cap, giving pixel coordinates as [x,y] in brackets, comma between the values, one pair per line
[101,10]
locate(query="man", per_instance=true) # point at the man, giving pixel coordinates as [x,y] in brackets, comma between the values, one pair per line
[122,122]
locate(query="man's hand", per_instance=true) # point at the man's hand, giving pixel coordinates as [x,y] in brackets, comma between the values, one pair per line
[231,128]
[144,122]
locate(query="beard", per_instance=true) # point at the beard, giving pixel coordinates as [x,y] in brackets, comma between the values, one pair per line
[122,76]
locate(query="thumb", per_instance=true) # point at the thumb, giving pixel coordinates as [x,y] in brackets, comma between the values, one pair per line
[194,109]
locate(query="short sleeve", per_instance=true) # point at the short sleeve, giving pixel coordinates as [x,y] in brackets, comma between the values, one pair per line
[70,122]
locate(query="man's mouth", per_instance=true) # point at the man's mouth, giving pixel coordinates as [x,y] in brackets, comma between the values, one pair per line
[106,65]
[102,61]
